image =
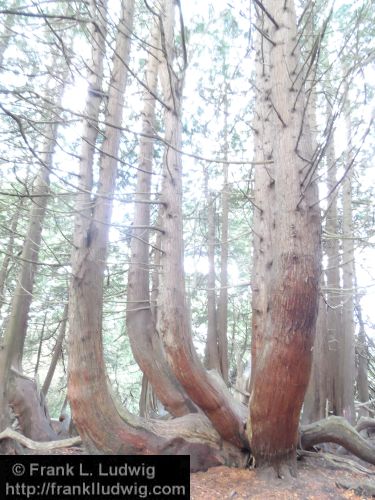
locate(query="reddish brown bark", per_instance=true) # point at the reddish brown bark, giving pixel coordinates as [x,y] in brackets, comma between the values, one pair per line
[286,266]
[141,328]
[173,320]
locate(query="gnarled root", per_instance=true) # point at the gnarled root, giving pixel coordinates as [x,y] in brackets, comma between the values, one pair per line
[337,430]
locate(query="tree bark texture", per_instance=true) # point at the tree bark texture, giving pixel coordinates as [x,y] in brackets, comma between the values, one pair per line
[332,272]
[141,327]
[173,320]
[287,243]
[314,406]
[103,425]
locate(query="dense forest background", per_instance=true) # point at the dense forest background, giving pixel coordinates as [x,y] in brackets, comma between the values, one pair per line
[96,98]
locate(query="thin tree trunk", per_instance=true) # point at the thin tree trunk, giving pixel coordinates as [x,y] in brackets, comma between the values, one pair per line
[212,360]
[285,318]
[314,406]
[363,356]
[8,255]
[347,358]
[56,352]
[333,298]
[14,336]
[222,306]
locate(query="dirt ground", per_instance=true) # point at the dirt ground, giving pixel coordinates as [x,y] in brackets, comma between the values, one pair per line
[316,480]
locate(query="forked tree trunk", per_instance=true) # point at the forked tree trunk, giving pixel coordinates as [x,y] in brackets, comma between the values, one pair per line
[286,273]
[90,251]
[103,425]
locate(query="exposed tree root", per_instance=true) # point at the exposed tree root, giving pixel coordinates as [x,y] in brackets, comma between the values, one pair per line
[365,423]
[337,430]
[9,433]
[338,462]
[362,488]
[28,404]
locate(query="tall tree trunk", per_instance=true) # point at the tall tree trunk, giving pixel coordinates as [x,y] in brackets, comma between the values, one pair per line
[222,306]
[102,424]
[173,321]
[333,298]
[146,345]
[285,318]
[91,406]
[363,356]
[347,358]
[212,360]
[314,406]
[14,337]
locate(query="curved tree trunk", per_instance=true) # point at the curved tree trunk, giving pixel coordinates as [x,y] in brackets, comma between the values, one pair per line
[141,328]
[173,320]
[285,317]
[104,426]
[29,406]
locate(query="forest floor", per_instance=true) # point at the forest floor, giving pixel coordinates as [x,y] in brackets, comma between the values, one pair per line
[316,480]
[319,478]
